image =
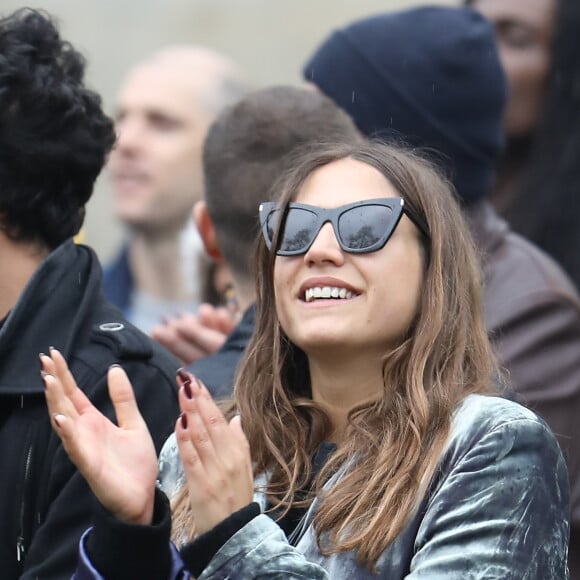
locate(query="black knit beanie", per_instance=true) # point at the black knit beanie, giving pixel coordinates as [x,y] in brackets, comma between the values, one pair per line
[429,76]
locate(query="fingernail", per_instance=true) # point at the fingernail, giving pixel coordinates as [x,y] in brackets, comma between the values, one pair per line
[51,348]
[43,375]
[183,418]
[187,389]
[203,390]
[197,384]
[183,374]
[40,355]
[115,365]
[57,417]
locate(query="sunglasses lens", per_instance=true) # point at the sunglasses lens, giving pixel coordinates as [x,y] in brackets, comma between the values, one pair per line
[298,229]
[365,226]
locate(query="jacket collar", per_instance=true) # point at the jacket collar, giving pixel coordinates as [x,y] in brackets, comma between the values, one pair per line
[240,336]
[488,229]
[118,280]
[51,311]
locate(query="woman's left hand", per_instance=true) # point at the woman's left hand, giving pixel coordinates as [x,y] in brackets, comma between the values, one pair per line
[215,456]
[118,462]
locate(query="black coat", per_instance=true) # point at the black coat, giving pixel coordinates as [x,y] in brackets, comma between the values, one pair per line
[218,370]
[45,504]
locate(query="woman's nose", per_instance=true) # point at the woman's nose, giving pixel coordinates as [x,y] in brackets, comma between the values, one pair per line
[325,248]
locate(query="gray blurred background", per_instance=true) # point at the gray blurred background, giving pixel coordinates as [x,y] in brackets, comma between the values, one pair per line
[269,39]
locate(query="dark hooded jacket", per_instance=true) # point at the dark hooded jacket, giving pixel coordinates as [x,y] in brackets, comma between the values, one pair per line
[45,503]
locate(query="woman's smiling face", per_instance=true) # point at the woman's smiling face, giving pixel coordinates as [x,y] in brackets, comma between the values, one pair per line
[378,292]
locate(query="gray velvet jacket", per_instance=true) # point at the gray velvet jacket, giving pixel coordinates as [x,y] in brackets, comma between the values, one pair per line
[497,507]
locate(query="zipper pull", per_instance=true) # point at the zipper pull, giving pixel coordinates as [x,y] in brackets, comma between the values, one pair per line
[19,548]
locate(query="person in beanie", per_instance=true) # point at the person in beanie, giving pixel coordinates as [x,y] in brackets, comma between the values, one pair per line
[432,77]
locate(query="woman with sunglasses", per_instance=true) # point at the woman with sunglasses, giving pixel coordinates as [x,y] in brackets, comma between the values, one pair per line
[372,445]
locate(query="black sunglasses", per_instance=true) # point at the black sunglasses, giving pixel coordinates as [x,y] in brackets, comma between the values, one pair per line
[360,227]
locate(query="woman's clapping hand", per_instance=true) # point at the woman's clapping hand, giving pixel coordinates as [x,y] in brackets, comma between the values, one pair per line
[215,456]
[118,462]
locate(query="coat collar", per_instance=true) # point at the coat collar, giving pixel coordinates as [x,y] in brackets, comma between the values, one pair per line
[51,311]
[488,229]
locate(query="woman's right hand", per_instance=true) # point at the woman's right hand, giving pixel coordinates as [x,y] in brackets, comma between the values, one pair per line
[119,463]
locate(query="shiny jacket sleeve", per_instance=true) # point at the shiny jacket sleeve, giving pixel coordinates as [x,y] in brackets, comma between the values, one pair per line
[260,550]
[119,550]
[271,558]
[500,512]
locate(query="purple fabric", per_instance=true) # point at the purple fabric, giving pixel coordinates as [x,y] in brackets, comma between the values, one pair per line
[86,571]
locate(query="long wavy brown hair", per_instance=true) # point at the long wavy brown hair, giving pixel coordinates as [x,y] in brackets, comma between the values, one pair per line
[391,446]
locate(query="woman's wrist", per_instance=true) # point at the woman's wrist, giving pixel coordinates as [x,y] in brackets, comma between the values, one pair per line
[197,554]
[142,518]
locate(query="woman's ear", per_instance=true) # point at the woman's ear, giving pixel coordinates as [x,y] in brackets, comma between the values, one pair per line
[207,232]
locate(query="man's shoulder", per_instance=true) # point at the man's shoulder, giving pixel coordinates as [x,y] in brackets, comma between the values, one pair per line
[218,370]
[513,265]
[542,272]
[114,340]
[520,277]
[150,368]
[117,279]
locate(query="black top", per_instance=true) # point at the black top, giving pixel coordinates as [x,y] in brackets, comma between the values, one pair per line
[45,504]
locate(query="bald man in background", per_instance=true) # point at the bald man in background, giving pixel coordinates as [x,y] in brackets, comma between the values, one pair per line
[163,111]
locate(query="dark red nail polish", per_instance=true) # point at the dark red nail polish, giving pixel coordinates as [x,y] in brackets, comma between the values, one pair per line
[183,418]
[187,389]
[183,374]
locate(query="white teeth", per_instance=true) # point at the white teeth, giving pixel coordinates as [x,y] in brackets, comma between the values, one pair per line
[327,292]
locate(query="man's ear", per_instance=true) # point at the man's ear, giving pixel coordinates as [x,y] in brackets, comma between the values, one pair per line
[207,232]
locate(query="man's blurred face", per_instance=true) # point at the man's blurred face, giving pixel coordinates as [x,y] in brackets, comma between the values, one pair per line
[155,167]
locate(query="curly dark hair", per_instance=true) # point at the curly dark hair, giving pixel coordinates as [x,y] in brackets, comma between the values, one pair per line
[54,136]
